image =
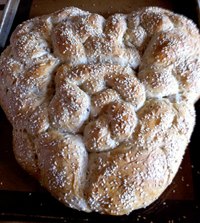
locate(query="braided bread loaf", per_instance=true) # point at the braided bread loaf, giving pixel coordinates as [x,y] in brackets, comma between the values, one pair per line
[102,109]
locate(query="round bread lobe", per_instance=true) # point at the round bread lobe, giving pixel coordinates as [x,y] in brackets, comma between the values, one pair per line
[126,179]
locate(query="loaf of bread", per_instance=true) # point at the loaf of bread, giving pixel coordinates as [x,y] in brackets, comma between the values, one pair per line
[102,109]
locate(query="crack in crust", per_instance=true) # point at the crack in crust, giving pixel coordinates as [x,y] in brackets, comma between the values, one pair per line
[102,109]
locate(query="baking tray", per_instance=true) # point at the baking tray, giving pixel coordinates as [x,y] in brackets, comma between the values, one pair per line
[22,199]
[2,5]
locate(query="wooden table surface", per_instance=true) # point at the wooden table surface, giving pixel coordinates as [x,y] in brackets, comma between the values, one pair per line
[104,7]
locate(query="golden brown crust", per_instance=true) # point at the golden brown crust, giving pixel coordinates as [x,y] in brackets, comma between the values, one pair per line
[102,109]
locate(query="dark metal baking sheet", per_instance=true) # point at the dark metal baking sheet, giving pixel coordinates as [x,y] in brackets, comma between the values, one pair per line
[22,198]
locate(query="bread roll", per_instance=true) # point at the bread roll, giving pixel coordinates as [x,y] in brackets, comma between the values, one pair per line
[102,109]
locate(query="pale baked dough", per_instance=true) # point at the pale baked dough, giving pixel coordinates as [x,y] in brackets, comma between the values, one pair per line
[102,109]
